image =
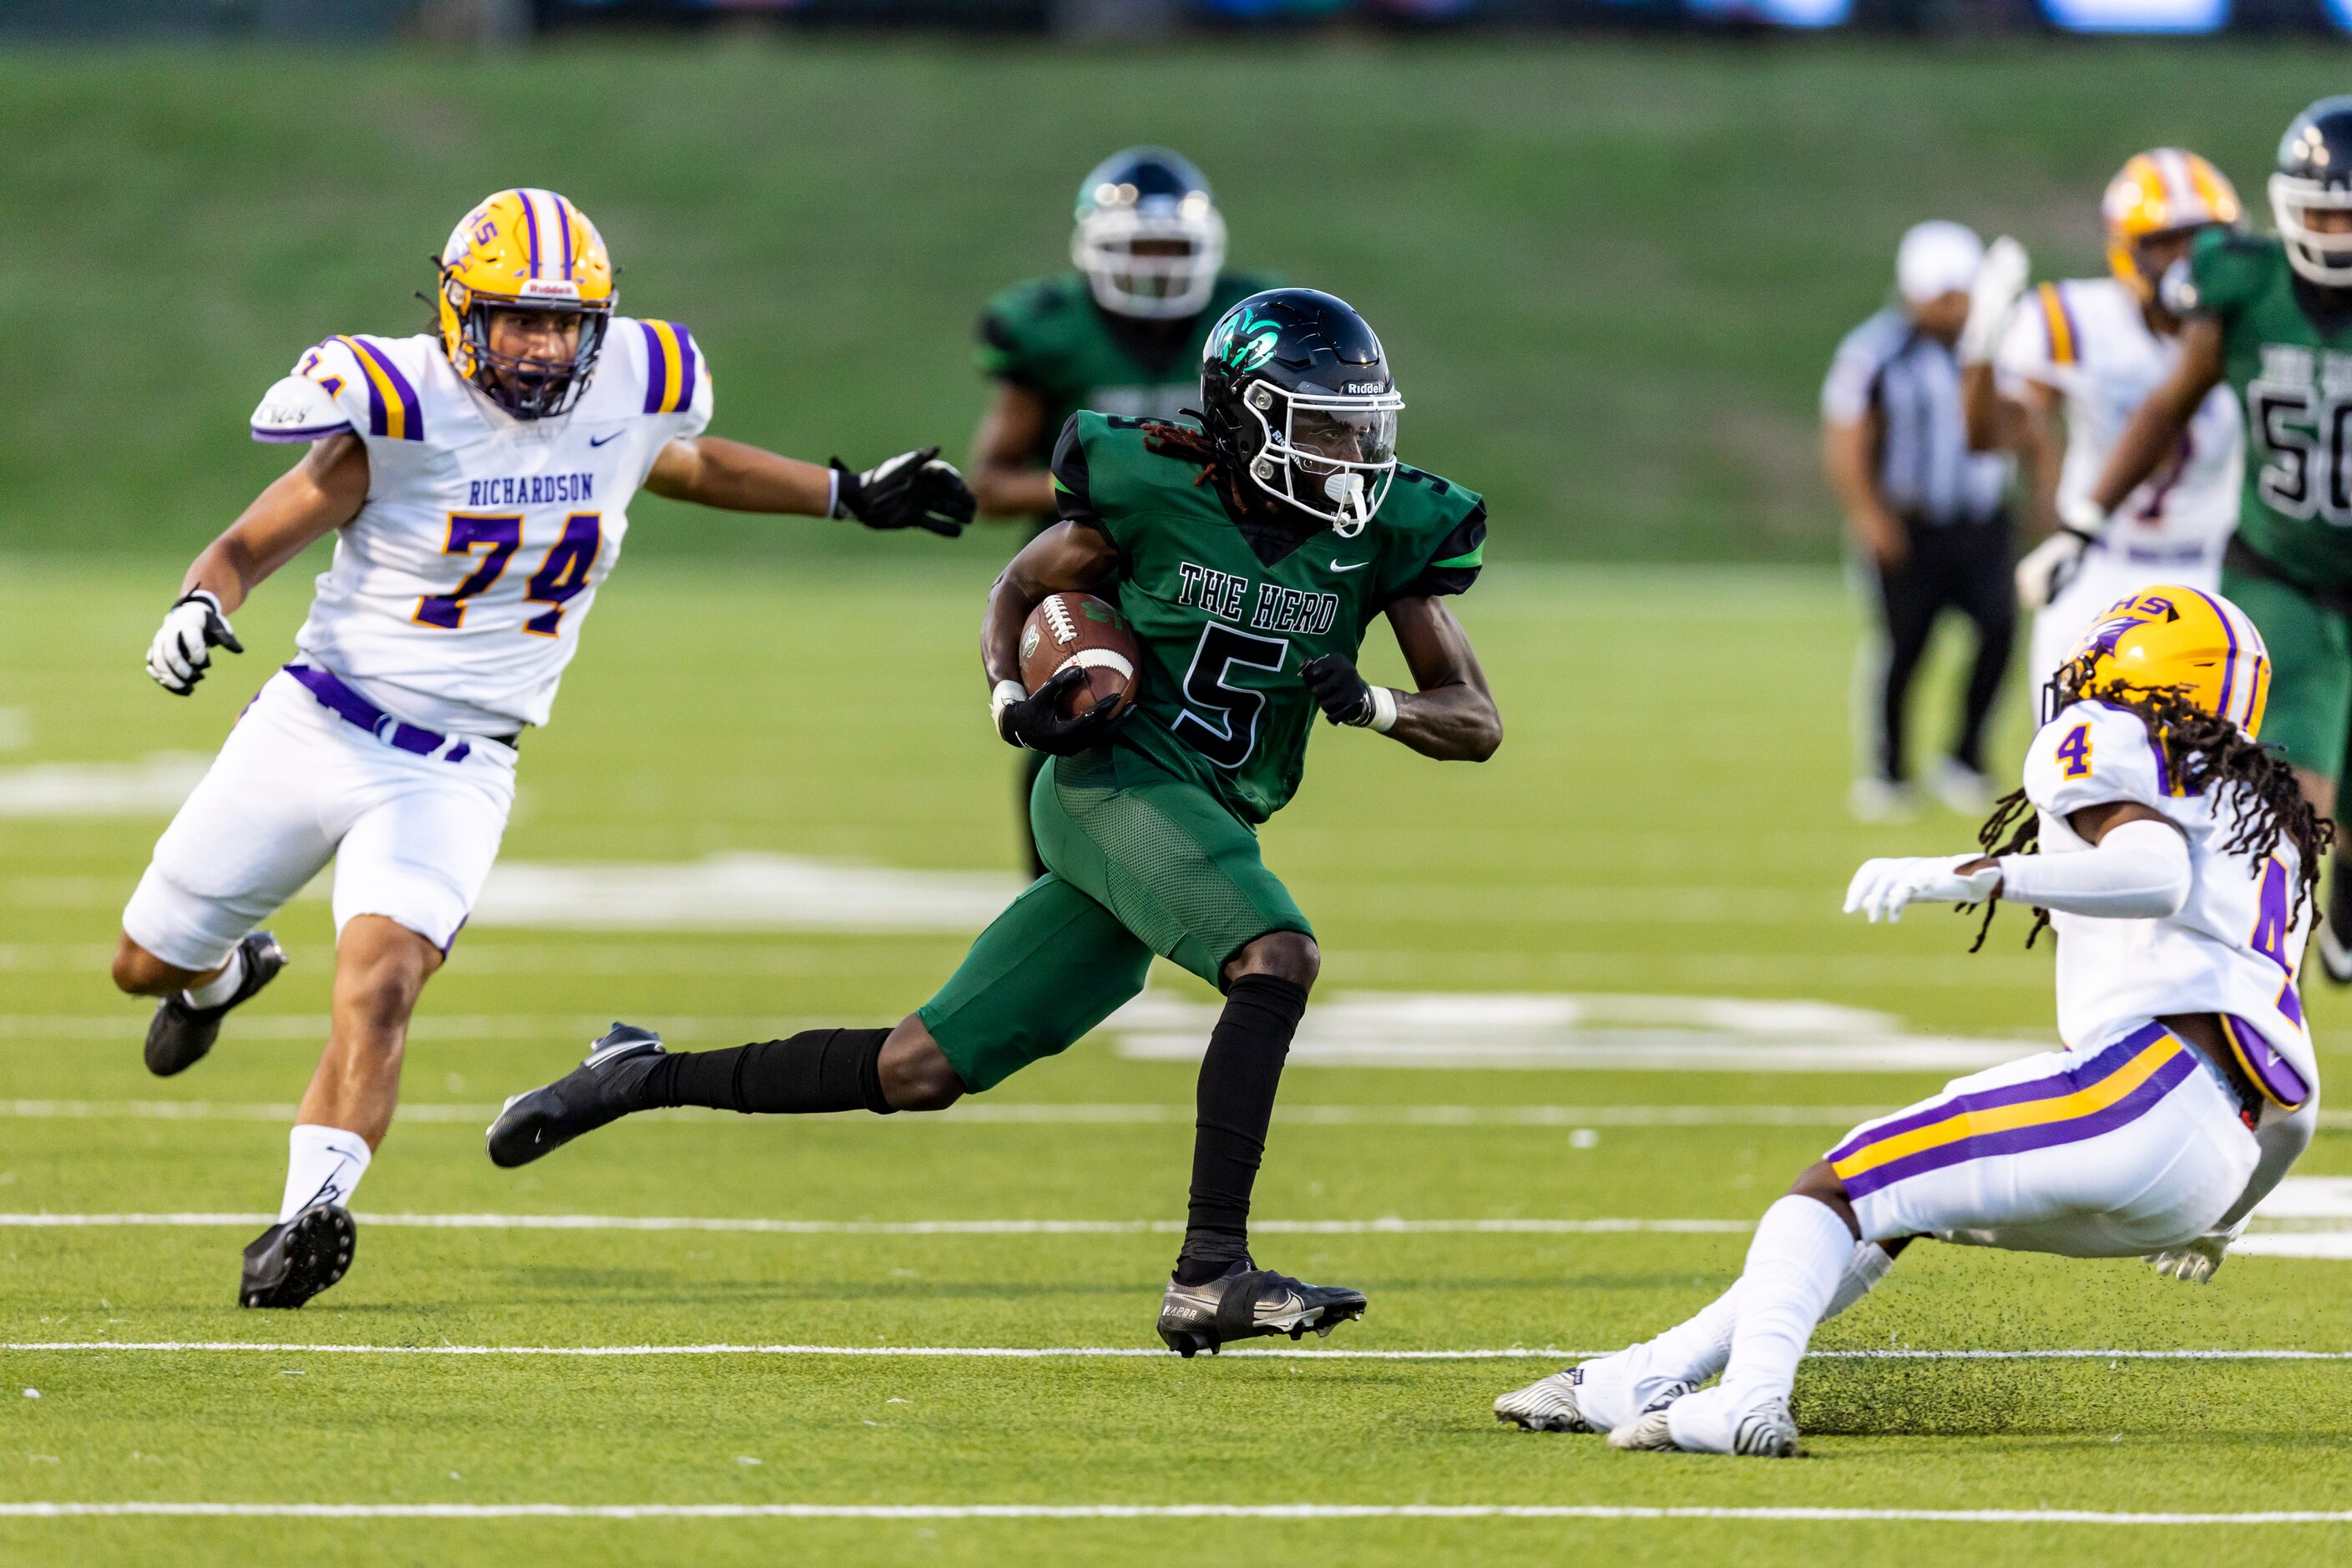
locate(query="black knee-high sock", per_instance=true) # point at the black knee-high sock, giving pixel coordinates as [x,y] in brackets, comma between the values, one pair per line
[1238,1080]
[816,1069]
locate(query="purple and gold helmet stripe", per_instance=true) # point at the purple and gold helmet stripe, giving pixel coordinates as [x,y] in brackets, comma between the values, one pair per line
[563,234]
[2230,661]
[392,407]
[530,231]
[2113,1088]
[669,367]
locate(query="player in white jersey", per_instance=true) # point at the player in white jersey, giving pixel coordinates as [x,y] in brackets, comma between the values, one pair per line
[2095,348]
[2176,857]
[478,484]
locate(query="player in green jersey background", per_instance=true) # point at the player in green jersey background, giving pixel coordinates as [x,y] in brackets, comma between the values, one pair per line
[1250,554]
[1119,334]
[2273,317]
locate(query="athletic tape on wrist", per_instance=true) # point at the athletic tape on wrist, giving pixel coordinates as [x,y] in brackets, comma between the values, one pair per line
[1384,709]
[1004,695]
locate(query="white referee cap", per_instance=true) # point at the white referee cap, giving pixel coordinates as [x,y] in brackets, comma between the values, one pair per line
[1937,257]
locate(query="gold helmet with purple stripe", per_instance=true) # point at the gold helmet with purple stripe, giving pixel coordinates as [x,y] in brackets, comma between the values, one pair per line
[2160,193]
[529,250]
[2181,639]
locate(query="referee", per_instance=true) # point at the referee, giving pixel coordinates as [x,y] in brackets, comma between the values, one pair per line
[1927,518]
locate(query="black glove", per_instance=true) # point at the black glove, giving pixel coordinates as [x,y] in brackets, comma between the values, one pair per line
[1037,721]
[913,490]
[1345,697]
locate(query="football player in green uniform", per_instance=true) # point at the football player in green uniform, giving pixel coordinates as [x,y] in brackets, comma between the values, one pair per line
[2273,317]
[1121,335]
[1250,554]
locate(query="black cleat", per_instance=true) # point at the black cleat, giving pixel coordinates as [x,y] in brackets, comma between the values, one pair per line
[602,1089]
[295,1259]
[1246,1302]
[179,1035]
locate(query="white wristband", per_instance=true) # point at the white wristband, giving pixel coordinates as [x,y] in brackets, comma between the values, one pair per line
[833,499]
[1384,709]
[1002,695]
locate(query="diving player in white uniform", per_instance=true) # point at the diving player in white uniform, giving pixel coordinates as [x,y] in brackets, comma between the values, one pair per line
[2098,347]
[2176,858]
[478,483]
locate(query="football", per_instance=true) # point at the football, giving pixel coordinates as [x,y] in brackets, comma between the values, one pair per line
[1081,629]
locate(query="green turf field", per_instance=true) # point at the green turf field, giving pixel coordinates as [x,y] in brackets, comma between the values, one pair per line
[1609,274]
[1662,819]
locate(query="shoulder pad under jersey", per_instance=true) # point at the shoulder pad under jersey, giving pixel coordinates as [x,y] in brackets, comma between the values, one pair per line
[296,408]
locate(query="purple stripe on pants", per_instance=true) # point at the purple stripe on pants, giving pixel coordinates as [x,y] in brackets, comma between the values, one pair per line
[2068,1082]
[2019,1140]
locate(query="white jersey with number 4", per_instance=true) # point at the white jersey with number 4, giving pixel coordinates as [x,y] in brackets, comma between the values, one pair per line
[455,596]
[2236,944]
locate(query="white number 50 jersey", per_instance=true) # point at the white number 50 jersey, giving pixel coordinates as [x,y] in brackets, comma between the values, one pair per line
[456,596]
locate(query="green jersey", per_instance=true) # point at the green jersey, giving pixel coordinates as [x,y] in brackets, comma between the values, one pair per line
[1049,336]
[1227,613]
[2293,375]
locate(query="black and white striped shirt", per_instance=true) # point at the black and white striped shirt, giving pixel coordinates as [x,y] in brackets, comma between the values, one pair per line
[1925,471]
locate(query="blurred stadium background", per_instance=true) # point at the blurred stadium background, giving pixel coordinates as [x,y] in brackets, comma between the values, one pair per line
[1610,247]
[1611,270]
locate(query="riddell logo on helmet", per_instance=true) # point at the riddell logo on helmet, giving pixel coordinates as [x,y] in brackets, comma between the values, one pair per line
[544,289]
[1364,388]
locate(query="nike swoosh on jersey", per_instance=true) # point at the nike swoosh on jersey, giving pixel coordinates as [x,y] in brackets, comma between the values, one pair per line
[599,440]
[1351,566]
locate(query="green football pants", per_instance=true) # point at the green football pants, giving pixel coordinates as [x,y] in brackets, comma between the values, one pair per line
[2310,647]
[1139,861]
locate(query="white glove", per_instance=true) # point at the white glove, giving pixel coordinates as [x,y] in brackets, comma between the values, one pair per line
[2001,278]
[2195,1262]
[1881,888]
[2045,571]
[182,650]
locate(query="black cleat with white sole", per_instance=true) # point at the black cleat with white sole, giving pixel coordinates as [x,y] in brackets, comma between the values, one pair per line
[295,1259]
[1246,1303]
[602,1089]
[179,1035]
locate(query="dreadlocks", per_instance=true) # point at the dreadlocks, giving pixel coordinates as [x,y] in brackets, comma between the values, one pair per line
[2202,750]
[1185,443]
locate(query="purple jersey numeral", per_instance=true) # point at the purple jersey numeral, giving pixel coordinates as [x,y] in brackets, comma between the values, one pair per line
[565,571]
[501,536]
[2269,937]
[2074,751]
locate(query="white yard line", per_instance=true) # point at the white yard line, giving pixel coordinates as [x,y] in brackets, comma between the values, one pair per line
[1297,1511]
[1017,1113]
[906,1228]
[1096,1353]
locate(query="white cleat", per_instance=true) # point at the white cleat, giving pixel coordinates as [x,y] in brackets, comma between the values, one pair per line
[1564,1402]
[1547,1406]
[1765,1432]
[1646,1431]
